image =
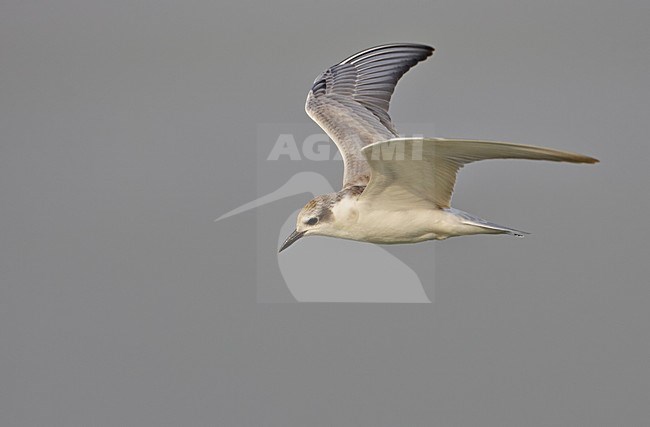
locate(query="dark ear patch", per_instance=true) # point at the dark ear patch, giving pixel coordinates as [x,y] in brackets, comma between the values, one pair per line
[326,215]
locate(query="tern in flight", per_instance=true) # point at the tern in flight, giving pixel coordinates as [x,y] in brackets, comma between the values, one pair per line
[395,190]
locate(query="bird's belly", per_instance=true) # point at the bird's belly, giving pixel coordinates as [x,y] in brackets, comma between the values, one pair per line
[411,226]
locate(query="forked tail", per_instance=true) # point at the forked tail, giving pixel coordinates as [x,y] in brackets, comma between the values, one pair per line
[470,219]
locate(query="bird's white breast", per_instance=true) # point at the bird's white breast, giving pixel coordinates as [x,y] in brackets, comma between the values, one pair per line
[358,221]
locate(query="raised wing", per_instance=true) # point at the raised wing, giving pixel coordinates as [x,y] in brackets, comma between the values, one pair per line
[350,101]
[412,172]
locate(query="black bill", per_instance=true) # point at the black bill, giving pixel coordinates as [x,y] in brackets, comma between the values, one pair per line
[295,235]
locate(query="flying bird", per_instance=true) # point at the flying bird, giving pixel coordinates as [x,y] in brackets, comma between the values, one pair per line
[395,190]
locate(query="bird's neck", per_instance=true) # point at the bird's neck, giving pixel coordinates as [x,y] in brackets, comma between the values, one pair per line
[345,208]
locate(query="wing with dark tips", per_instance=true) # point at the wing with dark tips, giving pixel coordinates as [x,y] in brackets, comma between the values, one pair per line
[350,101]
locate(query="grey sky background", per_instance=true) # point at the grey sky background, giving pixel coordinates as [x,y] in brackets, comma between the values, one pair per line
[126,127]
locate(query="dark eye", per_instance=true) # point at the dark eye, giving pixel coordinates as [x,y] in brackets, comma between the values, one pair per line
[312,221]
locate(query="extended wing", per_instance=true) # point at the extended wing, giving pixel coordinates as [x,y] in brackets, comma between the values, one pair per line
[350,101]
[412,172]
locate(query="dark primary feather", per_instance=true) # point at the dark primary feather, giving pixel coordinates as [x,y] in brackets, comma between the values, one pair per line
[350,101]
[369,77]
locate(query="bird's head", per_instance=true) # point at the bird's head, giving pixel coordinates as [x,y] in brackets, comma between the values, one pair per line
[315,218]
